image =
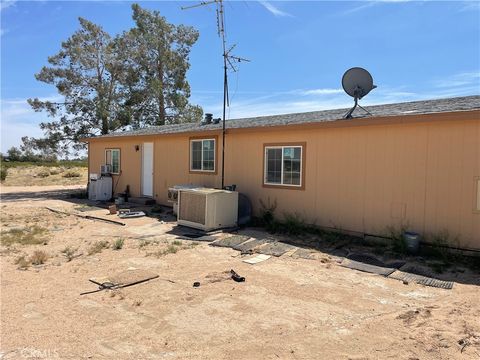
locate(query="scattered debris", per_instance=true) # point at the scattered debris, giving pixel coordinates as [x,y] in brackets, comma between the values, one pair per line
[196,284]
[257,259]
[237,277]
[122,280]
[89,217]
[131,214]
[112,209]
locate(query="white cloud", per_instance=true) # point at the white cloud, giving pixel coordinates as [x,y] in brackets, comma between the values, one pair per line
[274,10]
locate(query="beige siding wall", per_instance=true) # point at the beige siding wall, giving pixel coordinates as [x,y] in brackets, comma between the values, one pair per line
[362,178]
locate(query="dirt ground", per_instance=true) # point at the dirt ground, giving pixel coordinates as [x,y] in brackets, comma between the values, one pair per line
[288,308]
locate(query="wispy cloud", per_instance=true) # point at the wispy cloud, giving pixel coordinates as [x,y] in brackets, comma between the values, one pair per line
[274,10]
[370,3]
[473,5]
[459,80]
[5,4]
[322,91]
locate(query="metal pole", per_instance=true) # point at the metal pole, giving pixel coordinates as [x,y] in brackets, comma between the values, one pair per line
[225,84]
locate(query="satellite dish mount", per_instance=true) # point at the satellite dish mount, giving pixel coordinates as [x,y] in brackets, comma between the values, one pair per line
[357,83]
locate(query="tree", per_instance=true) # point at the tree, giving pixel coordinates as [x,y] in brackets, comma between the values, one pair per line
[158,61]
[86,73]
[137,78]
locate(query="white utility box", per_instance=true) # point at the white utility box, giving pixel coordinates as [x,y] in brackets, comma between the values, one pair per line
[207,209]
[100,189]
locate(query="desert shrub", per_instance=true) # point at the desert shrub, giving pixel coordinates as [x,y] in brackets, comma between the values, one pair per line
[177,243]
[98,246]
[293,224]
[22,262]
[39,257]
[3,172]
[31,236]
[171,249]
[43,173]
[118,244]
[71,174]
[56,171]
[69,253]
[398,242]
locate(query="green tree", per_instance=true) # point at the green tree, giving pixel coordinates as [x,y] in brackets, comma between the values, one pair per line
[158,61]
[137,78]
[86,72]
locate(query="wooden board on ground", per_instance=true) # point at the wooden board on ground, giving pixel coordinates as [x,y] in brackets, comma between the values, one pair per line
[275,249]
[372,269]
[257,259]
[230,241]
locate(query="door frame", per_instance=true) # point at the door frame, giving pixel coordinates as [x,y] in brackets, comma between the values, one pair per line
[142,168]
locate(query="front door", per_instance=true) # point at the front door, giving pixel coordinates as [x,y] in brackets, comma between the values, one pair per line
[147,169]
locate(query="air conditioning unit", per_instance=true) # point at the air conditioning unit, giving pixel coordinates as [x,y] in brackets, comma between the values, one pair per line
[106,169]
[207,209]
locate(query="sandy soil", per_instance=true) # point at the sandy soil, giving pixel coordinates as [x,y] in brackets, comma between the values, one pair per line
[287,308]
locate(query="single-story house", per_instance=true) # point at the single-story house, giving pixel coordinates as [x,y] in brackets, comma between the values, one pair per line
[415,164]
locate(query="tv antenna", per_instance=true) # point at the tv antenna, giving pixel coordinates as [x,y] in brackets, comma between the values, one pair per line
[357,82]
[228,63]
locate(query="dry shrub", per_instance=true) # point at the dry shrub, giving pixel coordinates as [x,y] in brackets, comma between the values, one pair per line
[39,257]
[71,174]
[32,236]
[22,262]
[98,247]
[43,173]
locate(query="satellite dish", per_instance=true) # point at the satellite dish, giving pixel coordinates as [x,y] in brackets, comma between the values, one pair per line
[357,82]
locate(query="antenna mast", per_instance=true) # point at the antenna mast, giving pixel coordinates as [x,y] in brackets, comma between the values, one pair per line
[228,60]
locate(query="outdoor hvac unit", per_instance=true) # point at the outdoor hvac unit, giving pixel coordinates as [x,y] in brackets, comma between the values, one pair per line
[207,209]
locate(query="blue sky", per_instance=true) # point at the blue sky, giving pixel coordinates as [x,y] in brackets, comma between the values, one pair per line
[298,50]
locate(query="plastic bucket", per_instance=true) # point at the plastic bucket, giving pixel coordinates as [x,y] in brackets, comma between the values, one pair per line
[412,241]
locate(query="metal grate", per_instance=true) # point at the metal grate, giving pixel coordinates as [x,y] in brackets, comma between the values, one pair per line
[192,207]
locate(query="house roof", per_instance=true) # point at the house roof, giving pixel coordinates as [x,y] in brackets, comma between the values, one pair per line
[466,103]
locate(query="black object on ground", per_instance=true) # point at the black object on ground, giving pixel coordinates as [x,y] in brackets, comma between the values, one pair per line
[196,284]
[237,277]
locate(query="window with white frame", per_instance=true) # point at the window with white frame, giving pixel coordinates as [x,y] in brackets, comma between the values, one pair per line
[283,165]
[202,155]
[112,158]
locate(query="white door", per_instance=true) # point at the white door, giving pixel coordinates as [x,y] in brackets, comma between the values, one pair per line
[147,169]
